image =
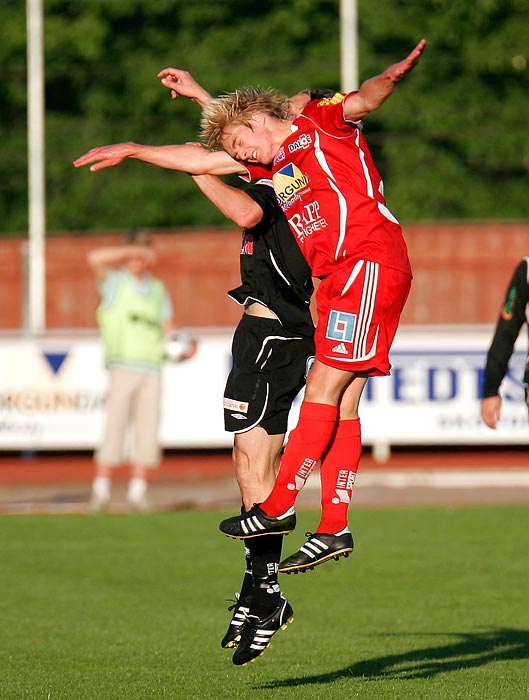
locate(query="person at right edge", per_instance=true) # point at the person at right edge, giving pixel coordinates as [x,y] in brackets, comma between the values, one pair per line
[514,314]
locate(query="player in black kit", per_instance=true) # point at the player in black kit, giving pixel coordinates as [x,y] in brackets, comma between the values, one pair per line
[514,315]
[272,352]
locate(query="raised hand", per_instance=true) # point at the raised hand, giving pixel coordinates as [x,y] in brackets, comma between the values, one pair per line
[105,156]
[375,91]
[181,82]
[398,70]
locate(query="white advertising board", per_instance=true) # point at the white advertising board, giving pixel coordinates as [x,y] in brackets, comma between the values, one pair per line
[433,394]
[52,392]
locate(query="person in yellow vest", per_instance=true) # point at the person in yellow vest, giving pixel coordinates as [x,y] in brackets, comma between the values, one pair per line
[134,314]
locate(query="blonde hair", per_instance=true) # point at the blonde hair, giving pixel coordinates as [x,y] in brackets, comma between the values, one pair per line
[237,108]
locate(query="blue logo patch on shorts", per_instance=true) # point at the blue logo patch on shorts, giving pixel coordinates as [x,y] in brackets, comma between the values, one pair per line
[341,326]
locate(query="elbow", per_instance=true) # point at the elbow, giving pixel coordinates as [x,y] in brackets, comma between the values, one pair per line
[248,219]
[199,168]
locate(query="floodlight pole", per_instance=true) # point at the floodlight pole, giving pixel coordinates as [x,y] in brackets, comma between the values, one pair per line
[349,45]
[36,294]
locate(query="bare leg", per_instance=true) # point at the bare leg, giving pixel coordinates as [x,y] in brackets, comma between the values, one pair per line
[255,455]
[327,384]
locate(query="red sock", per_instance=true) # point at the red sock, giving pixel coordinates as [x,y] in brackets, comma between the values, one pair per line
[337,473]
[305,446]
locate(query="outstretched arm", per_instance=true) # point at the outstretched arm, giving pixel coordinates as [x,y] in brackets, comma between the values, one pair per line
[375,91]
[180,82]
[235,204]
[185,158]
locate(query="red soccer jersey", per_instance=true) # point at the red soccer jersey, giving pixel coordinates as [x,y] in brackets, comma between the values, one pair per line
[332,194]
[257,172]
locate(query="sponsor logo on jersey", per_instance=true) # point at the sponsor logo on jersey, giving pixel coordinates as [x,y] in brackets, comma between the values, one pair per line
[304,142]
[308,221]
[288,183]
[247,244]
[341,326]
[280,156]
[333,100]
[233,405]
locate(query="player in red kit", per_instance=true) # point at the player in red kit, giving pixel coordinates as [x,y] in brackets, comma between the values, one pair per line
[332,196]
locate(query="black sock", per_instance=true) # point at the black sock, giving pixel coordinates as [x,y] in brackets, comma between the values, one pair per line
[265,554]
[247,581]
[265,597]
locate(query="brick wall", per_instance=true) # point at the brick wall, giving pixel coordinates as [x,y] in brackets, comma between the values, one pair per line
[460,274]
[11,283]
[461,271]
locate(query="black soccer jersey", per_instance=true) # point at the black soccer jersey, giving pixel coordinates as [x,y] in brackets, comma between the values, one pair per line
[514,314]
[273,270]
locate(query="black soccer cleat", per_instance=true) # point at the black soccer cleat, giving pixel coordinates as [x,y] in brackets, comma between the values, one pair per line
[240,608]
[316,550]
[257,633]
[256,522]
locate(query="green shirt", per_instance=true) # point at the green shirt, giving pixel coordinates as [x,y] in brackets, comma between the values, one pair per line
[131,318]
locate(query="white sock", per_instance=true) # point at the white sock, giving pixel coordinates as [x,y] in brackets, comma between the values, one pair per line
[101,487]
[137,490]
[342,532]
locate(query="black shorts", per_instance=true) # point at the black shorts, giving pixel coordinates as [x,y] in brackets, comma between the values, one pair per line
[270,366]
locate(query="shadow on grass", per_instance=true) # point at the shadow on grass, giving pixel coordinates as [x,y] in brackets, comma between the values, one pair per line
[472,650]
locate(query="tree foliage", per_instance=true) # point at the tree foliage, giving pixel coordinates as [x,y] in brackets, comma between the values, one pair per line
[450,143]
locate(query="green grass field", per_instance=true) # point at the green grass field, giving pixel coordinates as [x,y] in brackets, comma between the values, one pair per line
[434,603]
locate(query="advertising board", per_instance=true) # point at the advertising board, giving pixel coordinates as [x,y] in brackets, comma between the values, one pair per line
[52,392]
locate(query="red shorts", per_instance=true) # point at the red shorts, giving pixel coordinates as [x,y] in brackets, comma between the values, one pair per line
[359,308]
